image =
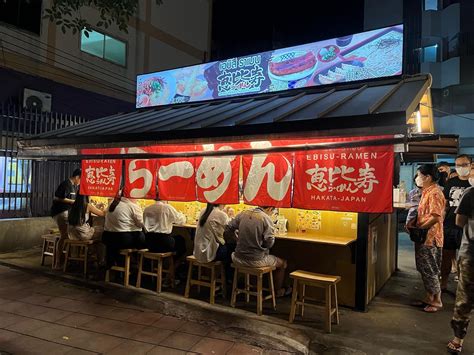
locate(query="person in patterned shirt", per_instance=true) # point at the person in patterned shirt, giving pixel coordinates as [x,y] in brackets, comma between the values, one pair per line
[428,254]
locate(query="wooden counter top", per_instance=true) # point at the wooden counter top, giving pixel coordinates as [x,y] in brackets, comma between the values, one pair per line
[186,225]
[403,206]
[305,237]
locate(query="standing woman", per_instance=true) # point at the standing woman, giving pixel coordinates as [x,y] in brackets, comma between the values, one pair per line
[209,243]
[123,228]
[430,218]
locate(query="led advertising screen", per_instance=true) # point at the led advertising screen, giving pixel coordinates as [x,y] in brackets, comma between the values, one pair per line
[362,56]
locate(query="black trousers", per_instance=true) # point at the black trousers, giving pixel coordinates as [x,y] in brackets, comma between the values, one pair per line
[115,241]
[163,243]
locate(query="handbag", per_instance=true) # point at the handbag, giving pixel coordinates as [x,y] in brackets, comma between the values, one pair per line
[418,235]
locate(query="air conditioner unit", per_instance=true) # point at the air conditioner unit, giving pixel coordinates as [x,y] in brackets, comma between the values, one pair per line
[36,100]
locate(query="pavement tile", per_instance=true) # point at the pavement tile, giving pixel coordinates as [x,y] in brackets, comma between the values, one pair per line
[24,309]
[240,348]
[53,315]
[131,347]
[26,345]
[152,335]
[76,320]
[220,335]
[181,341]
[145,318]
[212,346]
[113,327]
[167,322]
[161,350]
[13,295]
[120,313]
[195,328]
[80,352]
[46,300]
[27,326]
[8,319]
[6,336]
[78,338]
[3,300]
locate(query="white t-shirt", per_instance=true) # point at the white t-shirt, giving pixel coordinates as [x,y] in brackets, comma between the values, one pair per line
[209,236]
[160,217]
[127,217]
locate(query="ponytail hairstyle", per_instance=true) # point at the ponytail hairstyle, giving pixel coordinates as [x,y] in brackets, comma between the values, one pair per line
[116,201]
[207,212]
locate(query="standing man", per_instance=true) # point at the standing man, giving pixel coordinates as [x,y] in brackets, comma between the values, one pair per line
[453,192]
[465,291]
[63,200]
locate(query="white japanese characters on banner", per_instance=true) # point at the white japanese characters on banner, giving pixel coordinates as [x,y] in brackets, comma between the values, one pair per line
[267,177]
[140,176]
[217,178]
[101,177]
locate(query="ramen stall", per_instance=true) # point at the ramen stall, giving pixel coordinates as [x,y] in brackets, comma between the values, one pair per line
[293,132]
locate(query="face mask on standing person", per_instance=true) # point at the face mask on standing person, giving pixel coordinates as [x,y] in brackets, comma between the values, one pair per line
[463,171]
[419,181]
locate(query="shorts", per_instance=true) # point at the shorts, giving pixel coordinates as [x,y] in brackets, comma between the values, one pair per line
[452,238]
[267,260]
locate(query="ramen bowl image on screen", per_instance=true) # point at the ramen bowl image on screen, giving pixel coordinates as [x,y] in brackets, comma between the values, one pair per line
[291,69]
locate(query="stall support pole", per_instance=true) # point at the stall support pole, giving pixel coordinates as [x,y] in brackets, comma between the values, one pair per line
[361,262]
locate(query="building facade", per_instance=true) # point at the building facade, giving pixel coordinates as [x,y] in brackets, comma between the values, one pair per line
[439,40]
[97,71]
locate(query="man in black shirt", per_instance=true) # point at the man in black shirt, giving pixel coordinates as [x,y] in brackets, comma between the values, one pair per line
[63,199]
[453,191]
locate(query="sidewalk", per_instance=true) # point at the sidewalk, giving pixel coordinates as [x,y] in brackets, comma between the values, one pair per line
[391,326]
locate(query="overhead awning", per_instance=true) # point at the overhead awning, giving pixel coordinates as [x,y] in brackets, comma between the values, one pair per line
[361,109]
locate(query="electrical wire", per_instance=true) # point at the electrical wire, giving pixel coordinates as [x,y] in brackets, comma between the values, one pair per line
[56,50]
[448,113]
[62,64]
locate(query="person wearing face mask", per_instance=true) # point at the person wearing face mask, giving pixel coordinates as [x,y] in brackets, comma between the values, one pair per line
[256,237]
[428,253]
[453,192]
[414,197]
[444,173]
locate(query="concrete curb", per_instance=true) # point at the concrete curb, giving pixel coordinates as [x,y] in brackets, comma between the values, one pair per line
[264,331]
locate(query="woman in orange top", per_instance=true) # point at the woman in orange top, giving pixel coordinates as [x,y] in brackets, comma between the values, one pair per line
[430,217]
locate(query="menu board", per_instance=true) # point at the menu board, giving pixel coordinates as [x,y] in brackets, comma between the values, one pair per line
[362,56]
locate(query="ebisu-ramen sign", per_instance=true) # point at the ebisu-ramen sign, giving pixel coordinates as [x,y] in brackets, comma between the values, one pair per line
[362,56]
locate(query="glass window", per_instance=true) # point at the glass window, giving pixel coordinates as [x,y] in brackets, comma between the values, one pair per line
[431,4]
[24,14]
[430,53]
[104,47]
[115,50]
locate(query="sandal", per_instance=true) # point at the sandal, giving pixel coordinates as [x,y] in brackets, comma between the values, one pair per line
[283,292]
[431,309]
[419,304]
[454,348]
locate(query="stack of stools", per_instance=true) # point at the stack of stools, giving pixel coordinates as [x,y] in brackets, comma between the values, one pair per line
[213,282]
[301,279]
[77,250]
[258,272]
[158,273]
[50,242]
[125,269]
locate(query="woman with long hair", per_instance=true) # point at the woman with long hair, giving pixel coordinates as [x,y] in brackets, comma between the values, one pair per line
[430,220]
[80,219]
[209,243]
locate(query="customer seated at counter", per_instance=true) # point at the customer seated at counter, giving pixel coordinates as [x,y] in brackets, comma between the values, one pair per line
[123,228]
[159,219]
[80,219]
[256,235]
[209,243]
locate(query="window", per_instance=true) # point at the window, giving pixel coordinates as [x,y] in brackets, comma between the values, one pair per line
[431,5]
[105,47]
[24,14]
[430,53]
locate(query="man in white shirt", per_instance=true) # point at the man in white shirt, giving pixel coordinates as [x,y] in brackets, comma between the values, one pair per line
[159,219]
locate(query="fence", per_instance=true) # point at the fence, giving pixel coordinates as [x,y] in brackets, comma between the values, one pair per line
[27,187]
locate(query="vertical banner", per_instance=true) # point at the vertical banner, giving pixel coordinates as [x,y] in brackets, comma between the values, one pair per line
[140,178]
[101,177]
[217,178]
[355,179]
[176,176]
[267,177]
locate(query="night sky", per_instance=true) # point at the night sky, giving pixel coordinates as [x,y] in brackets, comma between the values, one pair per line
[251,26]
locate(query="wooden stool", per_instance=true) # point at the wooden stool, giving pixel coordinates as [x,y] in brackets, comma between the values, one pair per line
[258,272]
[127,253]
[50,242]
[328,282]
[210,282]
[159,270]
[82,247]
